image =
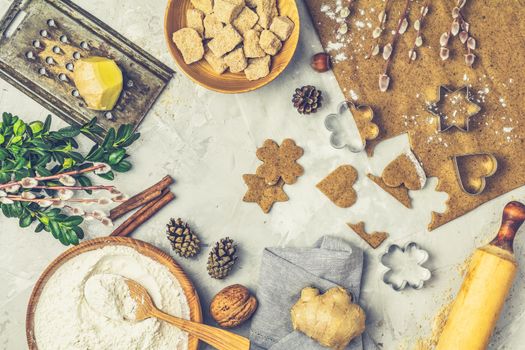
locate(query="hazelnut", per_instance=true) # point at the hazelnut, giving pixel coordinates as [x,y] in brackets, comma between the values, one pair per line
[321,62]
[232,306]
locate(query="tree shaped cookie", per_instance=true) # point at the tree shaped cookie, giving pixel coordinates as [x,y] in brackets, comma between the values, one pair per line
[279,162]
[374,239]
[406,171]
[338,186]
[263,194]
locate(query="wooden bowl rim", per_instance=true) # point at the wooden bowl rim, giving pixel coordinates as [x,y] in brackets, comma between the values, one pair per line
[256,83]
[142,248]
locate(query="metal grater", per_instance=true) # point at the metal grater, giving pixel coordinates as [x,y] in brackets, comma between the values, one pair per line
[40,40]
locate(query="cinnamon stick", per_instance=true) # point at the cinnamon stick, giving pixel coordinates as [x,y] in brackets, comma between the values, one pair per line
[143,214]
[140,199]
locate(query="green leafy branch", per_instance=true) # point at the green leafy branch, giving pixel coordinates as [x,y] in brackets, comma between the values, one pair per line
[40,170]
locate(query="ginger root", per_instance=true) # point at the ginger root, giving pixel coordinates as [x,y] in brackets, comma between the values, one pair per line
[330,318]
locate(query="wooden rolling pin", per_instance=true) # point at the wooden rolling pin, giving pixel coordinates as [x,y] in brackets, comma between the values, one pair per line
[490,274]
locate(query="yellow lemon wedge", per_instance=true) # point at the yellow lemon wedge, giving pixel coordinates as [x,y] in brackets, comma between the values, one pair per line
[98,81]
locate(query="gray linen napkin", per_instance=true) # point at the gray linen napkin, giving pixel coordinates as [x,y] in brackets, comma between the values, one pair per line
[284,273]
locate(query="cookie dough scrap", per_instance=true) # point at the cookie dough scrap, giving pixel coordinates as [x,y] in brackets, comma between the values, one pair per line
[374,239]
[405,170]
[338,186]
[400,193]
[263,194]
[279,161]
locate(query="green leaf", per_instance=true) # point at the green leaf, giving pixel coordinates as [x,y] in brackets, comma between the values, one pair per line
[25,220]
[84,181]
[2,139]
[39,227]
[71,236]
[130,140]
[109,140]
[55,229]
[69,132]
[36,127]
[116,156]
[19,128]
[78,231]
[47,124]
[73,221]
[122,167]
[16,139]
[108,176]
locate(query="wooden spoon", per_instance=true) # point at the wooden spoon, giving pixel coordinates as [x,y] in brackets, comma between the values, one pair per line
[218,338]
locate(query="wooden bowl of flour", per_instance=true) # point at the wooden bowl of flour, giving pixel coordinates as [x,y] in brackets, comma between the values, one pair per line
[142,248]
[231,83]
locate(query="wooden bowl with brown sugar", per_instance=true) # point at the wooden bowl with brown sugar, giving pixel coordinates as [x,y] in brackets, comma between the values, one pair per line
[141,247]
[231,83]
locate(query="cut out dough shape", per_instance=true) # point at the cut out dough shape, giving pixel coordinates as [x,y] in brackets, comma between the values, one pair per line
[400,193]
[405,170]
[363,116]
[338,186]
[279,161]
[374,239]
[263,194]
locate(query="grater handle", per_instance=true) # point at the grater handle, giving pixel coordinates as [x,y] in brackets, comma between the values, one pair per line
[9,19]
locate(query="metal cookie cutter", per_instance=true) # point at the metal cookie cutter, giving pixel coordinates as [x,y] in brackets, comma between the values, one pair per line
[404,266]
[449,99]
[485,164]
[344,128]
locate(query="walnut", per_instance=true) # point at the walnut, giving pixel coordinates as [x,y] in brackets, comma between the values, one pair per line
[232,306]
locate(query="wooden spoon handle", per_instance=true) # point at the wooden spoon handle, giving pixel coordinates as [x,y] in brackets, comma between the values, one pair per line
[512,218]
[218,338]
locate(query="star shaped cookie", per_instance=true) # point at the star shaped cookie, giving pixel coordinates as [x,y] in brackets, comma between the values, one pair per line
[454,108]
[263,194]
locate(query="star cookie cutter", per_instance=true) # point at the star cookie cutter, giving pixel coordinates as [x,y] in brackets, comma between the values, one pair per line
[351,126]
[485,165]
[445,121]
[404,266]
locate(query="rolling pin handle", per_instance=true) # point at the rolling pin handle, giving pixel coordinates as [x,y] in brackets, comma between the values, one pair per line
[513,217]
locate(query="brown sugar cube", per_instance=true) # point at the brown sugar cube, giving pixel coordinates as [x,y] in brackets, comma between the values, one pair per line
[205,6]
[227,10]
[282,26]
[194,20]
[245,20]
[252,49]
[225,41]
[212,26]
[258,68]
[189,43]
[236,60]
[269,42]
[217,63]
[258,28]
[267,10]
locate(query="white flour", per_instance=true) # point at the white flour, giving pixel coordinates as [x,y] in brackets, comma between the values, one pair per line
[65,320]
[109,295]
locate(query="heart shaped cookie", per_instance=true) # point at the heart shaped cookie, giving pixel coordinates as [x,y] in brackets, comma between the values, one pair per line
[472,170]
[405,170]
[338,186]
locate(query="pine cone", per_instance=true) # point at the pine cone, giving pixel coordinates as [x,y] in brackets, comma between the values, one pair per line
[307,99]
[222,258]
[183,241]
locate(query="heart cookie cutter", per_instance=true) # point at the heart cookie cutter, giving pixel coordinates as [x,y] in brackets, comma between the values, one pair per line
[350,117]
[404,266]
[438,108]
[475,185]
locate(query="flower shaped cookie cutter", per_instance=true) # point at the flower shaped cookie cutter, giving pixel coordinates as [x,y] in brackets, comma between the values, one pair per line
[404,266]
[351,126]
